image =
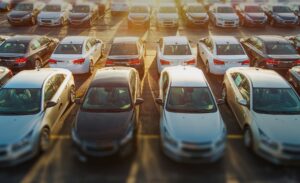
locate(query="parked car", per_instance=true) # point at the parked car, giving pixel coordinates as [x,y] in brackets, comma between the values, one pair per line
[191,126]
[5,75]
[223,15]
[83,13]
[194,14]
[294,77]
[55,13]
[208,3]
[25,13]
[280,15]
[219,53]
[295,7]
[119,6]
[251,15]
[271,52]
[79,54]
[167,16]
[295,41]
[267,109]
[127,51]
[6,5]
[26,52]
[103,5]
[139,15]
[41,97]
[108,117]
[173,51]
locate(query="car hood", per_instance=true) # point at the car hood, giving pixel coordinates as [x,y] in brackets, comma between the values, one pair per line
[51,15]
[14,128]
[227,16]
[78,15]
[194,127]
[93,127]
[286,15]
[281,128]
[197,15]
[167,16]
[256,15]
[18,14]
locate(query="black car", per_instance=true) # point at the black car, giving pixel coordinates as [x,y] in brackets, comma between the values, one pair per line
[26,52]
[108,118]
[25,13]
[271,52]
[294,77]
[295,41]
[194,14]
[280,15]
[251,15]
[5,75]
[83,13]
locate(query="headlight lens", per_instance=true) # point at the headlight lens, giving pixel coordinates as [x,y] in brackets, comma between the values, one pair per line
[267,141]
[23,142]
[75,137]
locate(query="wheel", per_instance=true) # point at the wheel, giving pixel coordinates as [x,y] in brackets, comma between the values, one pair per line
[248,138]
[224,93]
[45,141]
[72,94]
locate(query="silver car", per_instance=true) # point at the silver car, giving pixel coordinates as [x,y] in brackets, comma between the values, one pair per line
[31,104]
[267,109]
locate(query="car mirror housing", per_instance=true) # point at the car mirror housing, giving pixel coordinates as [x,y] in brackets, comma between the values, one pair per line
[159,101]
[78,101]
[139,101]
[243,102]
[50,104]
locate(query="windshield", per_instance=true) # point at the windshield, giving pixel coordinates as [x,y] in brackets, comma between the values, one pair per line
[280,49]
[190,100]
[13,47]
[196,9]
[19,101]
[52,8]
[230,49]
[281,9]
[275,101]
[225,10]
[253,9]
[68,49]
[107,99]
[167,10]
[177,50]
[24,7]
[81,9]
[123,49]
[139,9]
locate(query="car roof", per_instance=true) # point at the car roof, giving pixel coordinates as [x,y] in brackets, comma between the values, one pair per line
[171,40]
[112,76]
[31,78]
[225,39]
[74,40]
[263,78]
[125,40]
[22,38]
[272,38]
[188,77]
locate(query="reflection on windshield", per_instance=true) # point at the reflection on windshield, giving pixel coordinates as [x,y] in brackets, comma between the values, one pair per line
[225,10]
[52,8]
[13,47]
[69,49]
[230,49]
[280,49]
[253,9]
[275,101]
[20,101]
[123,49]
[107,99]
[190,100]
[24,7]
[177,50]
[282,9]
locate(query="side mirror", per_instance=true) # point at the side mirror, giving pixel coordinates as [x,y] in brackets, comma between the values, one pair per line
[243,102]
[50,104]
[220,101]
[159,101]
[78,101]
[139,101]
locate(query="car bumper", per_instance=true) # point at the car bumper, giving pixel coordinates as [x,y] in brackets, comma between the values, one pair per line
[51,23]
[16,67]
[14,158]
[79,22]
[74,68]
[255,23]
[167,24]
[286,23]
[233,24]
[198,22]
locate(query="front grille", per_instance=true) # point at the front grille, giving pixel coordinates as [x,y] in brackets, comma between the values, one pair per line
[229,22]
[197,148]
[46,21]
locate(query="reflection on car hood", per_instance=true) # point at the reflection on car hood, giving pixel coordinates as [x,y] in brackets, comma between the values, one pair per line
[50,15]
[18,14]
[256,15]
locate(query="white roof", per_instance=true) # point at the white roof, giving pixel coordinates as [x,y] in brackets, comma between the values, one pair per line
[173,40]
[125,39]
[74,40]
[225,40]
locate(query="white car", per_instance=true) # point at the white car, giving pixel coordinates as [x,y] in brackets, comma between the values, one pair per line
[119,6]
[139,15]
[55,13]
[223,15]
[78,54]
[219,53]
[267,109]
[173,51]
[191,126]
[167,15]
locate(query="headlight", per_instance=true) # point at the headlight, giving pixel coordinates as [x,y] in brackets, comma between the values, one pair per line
[267,141]
[128,136]
[75,137]
[23,142]
[169,139]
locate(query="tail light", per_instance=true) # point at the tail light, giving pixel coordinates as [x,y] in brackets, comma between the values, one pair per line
[79,61]
[164,62]
[297,62]
[52,61]
[271,62]
[245,62]
[190,62]
[21,60]
[134,62]
[219,62]
[109,62]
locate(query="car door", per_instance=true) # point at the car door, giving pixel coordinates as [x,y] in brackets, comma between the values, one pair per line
[36,51]
[61,84]
[243,114]
[206,51]
[254,48]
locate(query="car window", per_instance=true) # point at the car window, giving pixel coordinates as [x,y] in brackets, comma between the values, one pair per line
[177,49]
[93,42]
[52,86]
[229,49]
[52,8]
[238,79]
[275,48]
[244,89]
[81,9]
[35,44]
[58,79]
[24,7]
[123,49]
[14,47]
[208,44]
[259,45]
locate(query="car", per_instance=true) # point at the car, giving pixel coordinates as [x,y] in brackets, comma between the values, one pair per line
[119,6]
[139,15]
[25,13]
[107,120]
[6,5]
[267,109]
[223,15]
[194,14]
[32,103]
[191,126]
[173,51]
[271,52]
[280,15]
[26,52]
[251,15]
[5,75]
[79,54]
[219,53]
[3,38]
[127,51]
[55,13]
[208,3]
[294,77]
[295,7]
[295,41]
[83,13]
[103,5]
[167,16]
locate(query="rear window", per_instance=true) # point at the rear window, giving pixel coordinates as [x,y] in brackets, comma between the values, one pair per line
[280,49]
[69,49]
[123,49]
[177,50]
[230,49]
[14,47]
[52,8]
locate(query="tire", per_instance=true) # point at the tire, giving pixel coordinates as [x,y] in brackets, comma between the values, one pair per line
[248,138]
[44,141]
[72,94]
